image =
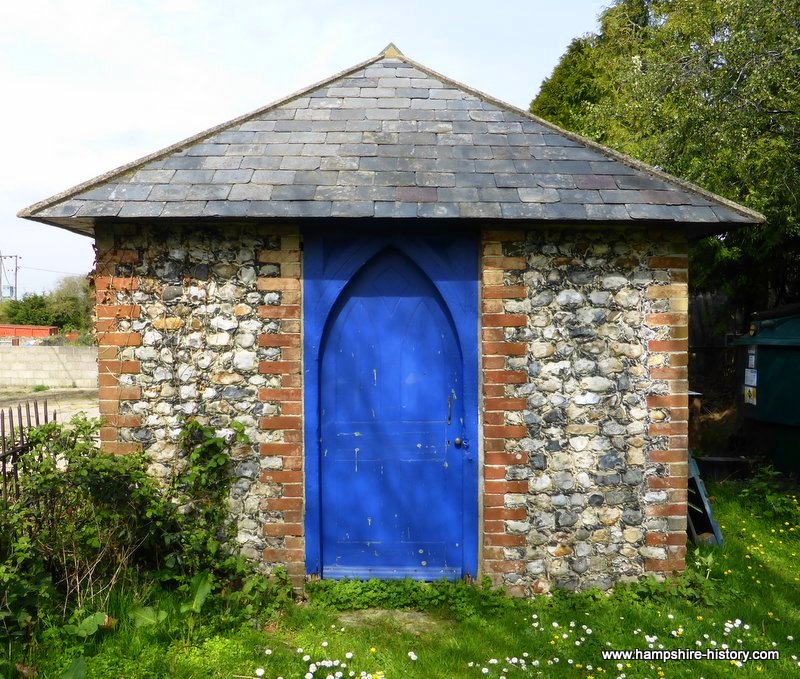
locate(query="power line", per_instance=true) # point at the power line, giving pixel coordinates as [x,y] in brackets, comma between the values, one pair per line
[67,273]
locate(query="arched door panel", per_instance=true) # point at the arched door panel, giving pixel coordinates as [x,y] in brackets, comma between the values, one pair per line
[392,474]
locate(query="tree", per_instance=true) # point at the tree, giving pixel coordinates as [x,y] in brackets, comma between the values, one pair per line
[709,90]
[567,96]
[71,304]
[69,307]
[32,309]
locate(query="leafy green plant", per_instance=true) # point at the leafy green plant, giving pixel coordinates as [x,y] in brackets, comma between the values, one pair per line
[39,387]
[76,670]
[147,616]
[90,625]
[694,584]
[766,491]
[86,515]
[462,600]
[200,534]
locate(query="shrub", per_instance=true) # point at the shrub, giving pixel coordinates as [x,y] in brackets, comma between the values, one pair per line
[83,517]
[87,522]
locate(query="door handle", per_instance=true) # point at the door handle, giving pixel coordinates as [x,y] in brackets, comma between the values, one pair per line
[458,442]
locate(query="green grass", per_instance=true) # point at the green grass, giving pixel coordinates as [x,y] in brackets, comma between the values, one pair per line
[40,387]
[752,588]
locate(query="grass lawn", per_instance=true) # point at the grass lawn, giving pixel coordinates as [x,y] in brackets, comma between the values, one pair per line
[750,601]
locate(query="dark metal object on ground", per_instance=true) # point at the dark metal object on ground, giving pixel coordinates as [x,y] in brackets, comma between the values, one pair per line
[702,526]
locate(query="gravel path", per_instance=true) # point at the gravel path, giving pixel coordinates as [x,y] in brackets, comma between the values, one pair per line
[65,402]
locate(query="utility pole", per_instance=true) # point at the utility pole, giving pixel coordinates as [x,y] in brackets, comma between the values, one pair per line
[16,259]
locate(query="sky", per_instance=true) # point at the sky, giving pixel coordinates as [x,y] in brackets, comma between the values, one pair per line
[89,85]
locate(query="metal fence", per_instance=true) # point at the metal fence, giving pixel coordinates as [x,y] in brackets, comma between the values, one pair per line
[15,423]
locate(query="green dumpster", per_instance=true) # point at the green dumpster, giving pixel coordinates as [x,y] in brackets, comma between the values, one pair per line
[768,370]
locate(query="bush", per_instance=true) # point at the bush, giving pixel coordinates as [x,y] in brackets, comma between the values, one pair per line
[82,520]
[88,523]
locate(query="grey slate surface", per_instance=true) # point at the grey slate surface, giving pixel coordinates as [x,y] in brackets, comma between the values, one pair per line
[389,139]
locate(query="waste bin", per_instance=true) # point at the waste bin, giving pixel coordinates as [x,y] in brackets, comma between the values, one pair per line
[768,370]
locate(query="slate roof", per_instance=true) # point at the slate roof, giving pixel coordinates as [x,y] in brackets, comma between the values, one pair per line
[389,138]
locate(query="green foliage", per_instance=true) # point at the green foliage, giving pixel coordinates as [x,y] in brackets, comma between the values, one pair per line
[200,490]
[766,493]
[574,87]
[89,625]
[695,584]
[69,306]
[147,616]
[76,670]
[461,600]
[82,519]
[707,90]
[88,524]
[39,387]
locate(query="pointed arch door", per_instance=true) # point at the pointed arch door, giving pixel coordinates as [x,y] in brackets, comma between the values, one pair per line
[391,473]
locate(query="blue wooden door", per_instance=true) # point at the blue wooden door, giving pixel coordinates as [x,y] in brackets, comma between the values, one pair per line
[394,426]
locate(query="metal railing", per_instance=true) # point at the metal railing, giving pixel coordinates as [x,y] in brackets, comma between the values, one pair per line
[14,441]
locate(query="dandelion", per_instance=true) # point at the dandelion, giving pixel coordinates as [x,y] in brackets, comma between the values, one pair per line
[412,655]
[260,672]
[348,655]
[268,651]
[484,670]
[492,661]
[306,658]
[324,644]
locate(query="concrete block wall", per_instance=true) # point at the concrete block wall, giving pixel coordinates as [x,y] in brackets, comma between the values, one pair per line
[51,366]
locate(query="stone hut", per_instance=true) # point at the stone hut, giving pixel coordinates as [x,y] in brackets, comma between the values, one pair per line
[455,333]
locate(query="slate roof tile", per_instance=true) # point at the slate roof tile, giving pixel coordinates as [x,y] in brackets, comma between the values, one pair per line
[389,138]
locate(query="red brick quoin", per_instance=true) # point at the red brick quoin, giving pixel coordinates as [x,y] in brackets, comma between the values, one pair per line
[284,430]
[112,309]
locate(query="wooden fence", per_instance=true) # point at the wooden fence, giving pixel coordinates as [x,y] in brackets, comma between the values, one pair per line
[14,441]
